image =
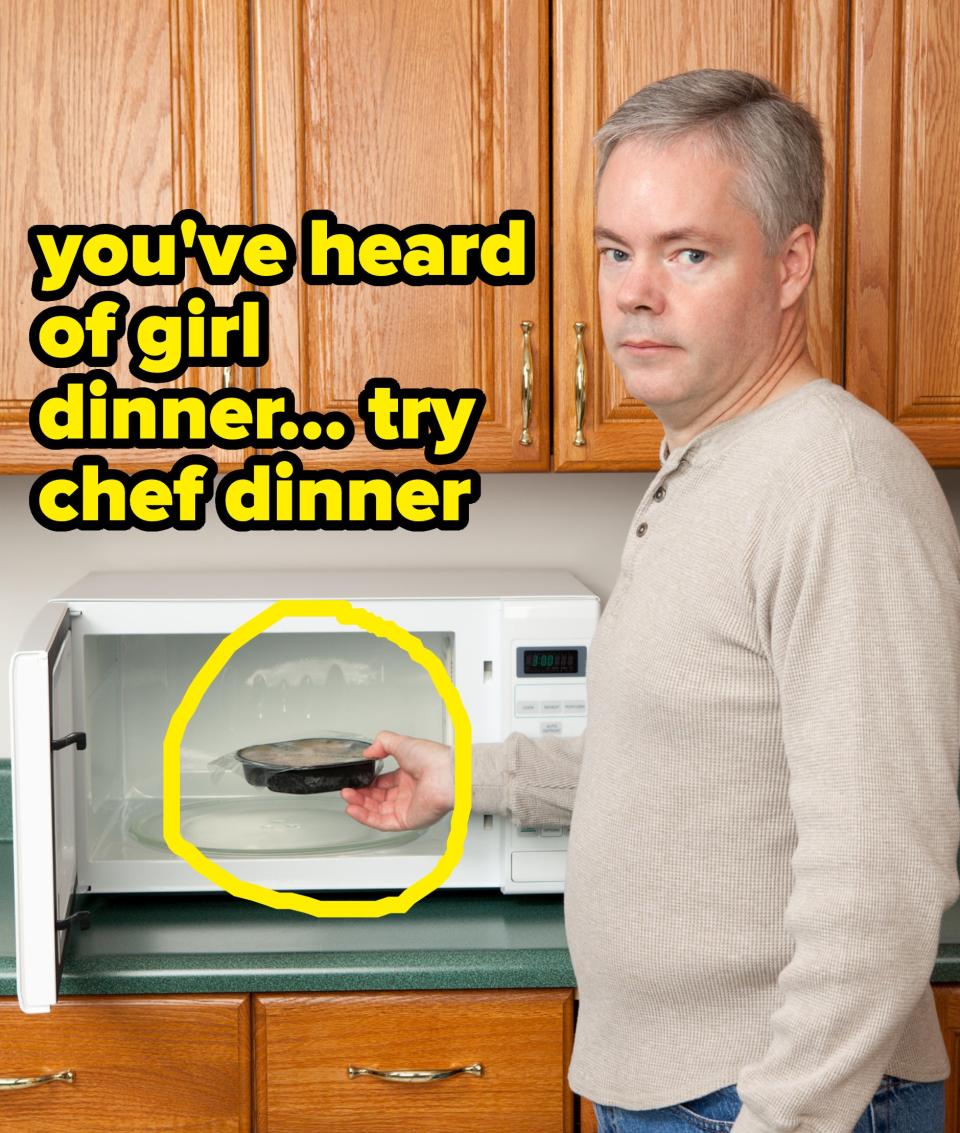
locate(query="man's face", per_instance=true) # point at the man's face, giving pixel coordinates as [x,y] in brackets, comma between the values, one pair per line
[682,264]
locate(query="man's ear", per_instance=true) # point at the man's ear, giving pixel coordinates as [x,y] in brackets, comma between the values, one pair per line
[795,264]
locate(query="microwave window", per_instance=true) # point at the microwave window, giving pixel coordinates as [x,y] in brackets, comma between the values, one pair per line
[278,687]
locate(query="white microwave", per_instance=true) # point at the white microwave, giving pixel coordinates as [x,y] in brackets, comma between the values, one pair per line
[105,665]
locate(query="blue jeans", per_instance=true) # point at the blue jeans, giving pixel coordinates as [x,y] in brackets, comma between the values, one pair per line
[898,1106]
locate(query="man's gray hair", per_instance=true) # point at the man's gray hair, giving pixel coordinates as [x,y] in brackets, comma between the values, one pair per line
[746,121]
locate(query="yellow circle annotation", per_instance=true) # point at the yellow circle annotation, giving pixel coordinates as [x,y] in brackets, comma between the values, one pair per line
[347,614]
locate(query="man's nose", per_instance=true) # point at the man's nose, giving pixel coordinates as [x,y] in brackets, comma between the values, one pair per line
[641,288]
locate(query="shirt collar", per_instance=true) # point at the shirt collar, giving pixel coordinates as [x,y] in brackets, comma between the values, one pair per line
[715,439]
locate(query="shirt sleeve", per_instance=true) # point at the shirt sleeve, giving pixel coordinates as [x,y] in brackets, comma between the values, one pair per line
[534,781]
[859,599]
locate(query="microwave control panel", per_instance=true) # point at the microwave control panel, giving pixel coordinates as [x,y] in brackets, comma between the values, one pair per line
[548,697]
[550,690]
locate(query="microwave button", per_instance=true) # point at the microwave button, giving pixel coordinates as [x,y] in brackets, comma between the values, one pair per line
[550,728]
[538,865]
[528,707]
[575,707]
[551,707]
[529,832]
[551,831]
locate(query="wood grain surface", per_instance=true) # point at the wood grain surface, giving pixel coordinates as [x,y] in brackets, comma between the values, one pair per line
[160,1064]
[116,113]
[604,51]
[305,1045]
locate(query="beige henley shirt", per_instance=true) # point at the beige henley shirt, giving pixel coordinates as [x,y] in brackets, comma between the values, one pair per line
[766,823]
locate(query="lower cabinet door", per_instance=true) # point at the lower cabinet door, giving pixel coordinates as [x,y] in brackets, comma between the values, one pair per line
[132,1064]
[588,1117]
[414,1062]
[947,999]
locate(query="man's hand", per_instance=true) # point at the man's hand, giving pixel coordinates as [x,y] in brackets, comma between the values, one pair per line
[418,793]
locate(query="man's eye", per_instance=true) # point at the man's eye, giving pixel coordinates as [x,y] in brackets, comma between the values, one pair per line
[613,254]
[697,256]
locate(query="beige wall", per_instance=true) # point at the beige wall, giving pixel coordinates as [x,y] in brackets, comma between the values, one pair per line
[574,522]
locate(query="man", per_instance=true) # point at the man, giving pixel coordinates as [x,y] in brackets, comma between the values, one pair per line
[766,820]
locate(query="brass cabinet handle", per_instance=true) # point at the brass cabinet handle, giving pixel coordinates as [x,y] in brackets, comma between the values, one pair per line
[580,384]
[40,1080]
[527,371]
[475,1070]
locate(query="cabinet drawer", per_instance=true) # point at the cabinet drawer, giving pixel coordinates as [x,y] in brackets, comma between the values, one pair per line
[157,1065]
[306,1044]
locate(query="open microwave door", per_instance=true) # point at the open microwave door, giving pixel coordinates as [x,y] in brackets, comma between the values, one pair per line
[43,763]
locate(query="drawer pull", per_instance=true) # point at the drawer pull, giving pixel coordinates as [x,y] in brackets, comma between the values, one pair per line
[475,1070]
[41,1080]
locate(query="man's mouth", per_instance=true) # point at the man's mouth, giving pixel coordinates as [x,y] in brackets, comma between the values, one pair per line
[645,345]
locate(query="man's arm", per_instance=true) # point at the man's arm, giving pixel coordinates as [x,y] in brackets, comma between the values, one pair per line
[532,780]
[860,599]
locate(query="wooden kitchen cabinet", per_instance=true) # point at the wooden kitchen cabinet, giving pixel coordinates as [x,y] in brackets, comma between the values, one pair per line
[588,1117]
[404,114]
[351,140]
[521,1039]
[114,113]
[903,291]
[166,1063]
[605,52]
[158,1064]
[386,111]
[947,998]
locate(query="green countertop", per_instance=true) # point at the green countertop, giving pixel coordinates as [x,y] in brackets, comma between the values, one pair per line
[150,944]
[946,969]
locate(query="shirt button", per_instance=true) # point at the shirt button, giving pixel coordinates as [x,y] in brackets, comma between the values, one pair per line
[641,529]
[660,493]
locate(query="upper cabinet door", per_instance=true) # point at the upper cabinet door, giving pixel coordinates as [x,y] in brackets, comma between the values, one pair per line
[404,113]
[604,51]
[903,311]
[121,113]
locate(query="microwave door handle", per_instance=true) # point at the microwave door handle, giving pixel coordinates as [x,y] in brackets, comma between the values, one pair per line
[78,738]
[81,919]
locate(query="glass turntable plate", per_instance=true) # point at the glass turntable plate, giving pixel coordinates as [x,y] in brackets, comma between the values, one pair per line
[268,826]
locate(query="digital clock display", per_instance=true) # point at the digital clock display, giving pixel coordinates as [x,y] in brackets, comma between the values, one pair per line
[552,662]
